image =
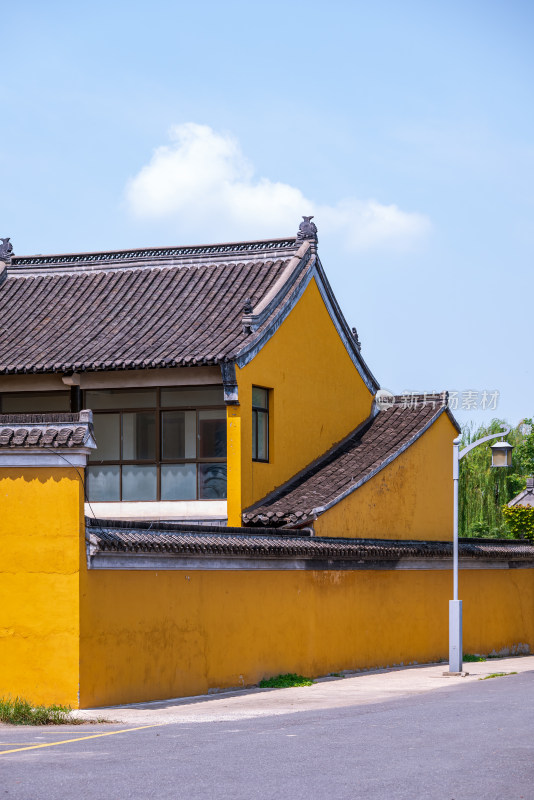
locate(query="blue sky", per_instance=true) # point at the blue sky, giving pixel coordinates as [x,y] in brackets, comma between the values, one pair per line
[407,128]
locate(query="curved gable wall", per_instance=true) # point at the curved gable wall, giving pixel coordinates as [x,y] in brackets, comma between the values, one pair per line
[411,498]
[317,397]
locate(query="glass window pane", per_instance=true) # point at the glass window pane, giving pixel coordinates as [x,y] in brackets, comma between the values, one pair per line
[263,436]
[178,434]
[34,402]
[212,481]
[212,433]
[260,397]
[178,482]
[139,483]
[103,484]
[120,398]
[254,434]
[203,396]
[108,436]
[139,436]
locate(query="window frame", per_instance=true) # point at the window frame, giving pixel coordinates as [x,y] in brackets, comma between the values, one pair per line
[159,461]
[265,412]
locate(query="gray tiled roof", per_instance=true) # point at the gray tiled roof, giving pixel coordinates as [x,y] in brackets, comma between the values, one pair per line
[108,536]
[45,430]
[134,309]
[348,464]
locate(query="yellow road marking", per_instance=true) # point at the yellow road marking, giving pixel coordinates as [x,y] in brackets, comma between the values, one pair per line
[81,738]
[7,744]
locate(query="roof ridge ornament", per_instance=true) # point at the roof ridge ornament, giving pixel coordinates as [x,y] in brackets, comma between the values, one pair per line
[307,230]
[6,250]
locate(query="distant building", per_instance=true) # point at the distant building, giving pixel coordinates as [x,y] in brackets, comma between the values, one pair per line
[526,497]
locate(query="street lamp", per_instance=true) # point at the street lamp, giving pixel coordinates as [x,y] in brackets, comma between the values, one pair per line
[501,456]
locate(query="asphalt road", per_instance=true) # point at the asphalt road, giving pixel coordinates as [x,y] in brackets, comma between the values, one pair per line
[473,740]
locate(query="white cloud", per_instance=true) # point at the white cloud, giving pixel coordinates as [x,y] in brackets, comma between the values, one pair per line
[204,184]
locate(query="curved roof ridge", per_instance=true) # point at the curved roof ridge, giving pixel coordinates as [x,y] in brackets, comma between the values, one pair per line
[147,254]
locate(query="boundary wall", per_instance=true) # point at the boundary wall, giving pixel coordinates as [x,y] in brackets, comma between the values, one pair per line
[76,631]
[148,634]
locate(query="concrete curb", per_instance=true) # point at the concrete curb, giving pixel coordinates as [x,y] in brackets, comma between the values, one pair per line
[352,689]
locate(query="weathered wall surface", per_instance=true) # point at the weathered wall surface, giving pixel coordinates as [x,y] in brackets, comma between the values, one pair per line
[125,636]
[150,635]
[40,517]
[318,397]
[411,498]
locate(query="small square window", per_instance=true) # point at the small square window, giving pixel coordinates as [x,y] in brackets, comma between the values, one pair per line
[139,483]
[104,483]
[260,424]
[178,482]
[212,483]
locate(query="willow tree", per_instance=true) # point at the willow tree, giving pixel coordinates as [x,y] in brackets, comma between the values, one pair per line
[484,489]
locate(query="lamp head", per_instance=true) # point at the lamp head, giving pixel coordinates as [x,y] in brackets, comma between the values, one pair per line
[501,454]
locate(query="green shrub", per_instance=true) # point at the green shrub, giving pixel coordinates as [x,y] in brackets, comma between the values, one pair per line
[285,681]
[481,530]
[469,657]
[520,521]
[18,711]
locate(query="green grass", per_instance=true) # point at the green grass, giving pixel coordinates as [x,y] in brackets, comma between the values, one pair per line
[496,675]
[18,711]
[469,657]
[285,681]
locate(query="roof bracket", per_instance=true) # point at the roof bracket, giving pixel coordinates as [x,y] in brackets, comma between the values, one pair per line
[231,395]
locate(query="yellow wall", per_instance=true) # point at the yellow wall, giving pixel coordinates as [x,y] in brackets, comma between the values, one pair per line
[40,518]
[152,635]
[318,397]
[126,636]
[411,498]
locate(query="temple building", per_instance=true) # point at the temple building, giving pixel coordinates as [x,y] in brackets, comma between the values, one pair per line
[202,484]
[226,388]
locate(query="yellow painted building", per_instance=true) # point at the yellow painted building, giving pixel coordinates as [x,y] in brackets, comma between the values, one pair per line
[217,375]
[237,502]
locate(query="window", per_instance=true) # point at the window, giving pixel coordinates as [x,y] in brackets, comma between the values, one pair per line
[260,424]
[158,444]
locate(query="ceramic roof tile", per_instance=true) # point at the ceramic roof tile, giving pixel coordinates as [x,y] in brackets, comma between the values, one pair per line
[108,536]
[134,309]
[24,431]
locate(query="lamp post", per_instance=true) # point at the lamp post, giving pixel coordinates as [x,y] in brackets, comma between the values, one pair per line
[501,456]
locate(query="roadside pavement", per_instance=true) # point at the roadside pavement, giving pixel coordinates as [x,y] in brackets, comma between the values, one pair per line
[353,689]
[403,734]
